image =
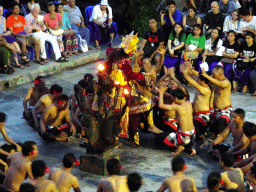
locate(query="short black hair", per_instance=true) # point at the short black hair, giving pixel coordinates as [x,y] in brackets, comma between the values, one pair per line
[13,4]
[39,78]
[38,168]
[27,187]
[134,181]
[89,89]
[88,77]
[193,8]
[253,169]
[56,88]
[8,148]
[232,190]
[245,12]
[2,117]
[178,164]
[63,97]
[228,159]
[219,68]
[178,93]
[152,18]
[213,180]
[83,83]
[251,34]
[231,31]
[27,147]
[240,112]
[249,129]
[113,166]
[170,2]
[68,160]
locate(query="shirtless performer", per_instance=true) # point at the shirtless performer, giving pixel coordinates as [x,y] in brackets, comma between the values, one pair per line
[179,182]
[51,124]
[213,183]
[201,103]
[20,165]
[63,178]
[232,177]
[185,135]
[41,185]
[45,101]
[236,128]
[249,130]
[33,95]
[114,182]
[134,182]
[26,187]
[4,154]
[222,98]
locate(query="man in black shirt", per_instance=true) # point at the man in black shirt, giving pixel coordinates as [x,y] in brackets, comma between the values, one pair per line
[152,41]
[213,19]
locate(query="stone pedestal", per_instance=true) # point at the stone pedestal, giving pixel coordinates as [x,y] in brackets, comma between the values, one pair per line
[95,161]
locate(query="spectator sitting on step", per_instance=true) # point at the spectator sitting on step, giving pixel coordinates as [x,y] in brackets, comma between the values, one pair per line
[231,22]
[16,24]
[102,21]
[39,170]
[190,20]
[114,182]
[44,102]
[152,41]
[213,19]
[248,22]
[77,21]
[51,124]
[62,176]
[169,18]
[70,37]
[36,27]
[226,7]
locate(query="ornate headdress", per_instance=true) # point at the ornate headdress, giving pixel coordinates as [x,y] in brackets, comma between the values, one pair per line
[129,43]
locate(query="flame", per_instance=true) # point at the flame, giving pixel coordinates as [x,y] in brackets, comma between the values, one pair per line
[117,83]
[126,92]
[101,67]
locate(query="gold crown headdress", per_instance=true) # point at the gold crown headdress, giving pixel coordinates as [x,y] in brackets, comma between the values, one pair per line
[129,43]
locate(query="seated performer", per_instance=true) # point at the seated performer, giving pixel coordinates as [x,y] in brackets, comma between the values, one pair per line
[185,135]
[222,98]
[249,130]
[213,182]
[33,95]
[41,185]
[44,102]
[232,177]
[63,178]
[251,175]
[51,124]
[179,182]
[239,139]
[20,165]
[134,182]
[114,182]
[201,103]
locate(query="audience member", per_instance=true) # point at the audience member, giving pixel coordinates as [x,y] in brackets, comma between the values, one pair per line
[102,20]
[22,7]
[231,22]
[152,41]
[17,25]
[232,177]
[39,169]
[62,177]
[77,21]
[227,6]
[51,124]
[246,62]
[134,182]
[179,182]
[20,165]
[5,65]
[169,18]
[190,20]
[230,54]
[36,27]
[45,101]
[70,36]
[248,22]
[213,19]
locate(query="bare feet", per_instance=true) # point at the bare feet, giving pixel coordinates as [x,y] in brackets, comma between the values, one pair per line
[154,129]
[193,149]
[178,150]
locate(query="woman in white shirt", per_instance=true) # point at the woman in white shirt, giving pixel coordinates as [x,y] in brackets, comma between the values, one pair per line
[101,21]
[231,22]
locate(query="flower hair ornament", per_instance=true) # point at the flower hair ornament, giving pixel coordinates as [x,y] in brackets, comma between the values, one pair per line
[36,82]
[129,43]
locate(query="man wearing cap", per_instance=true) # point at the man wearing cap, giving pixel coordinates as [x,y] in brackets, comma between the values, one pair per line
[76,20]
[62,177]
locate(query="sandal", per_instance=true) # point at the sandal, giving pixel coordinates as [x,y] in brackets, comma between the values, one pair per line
[44,60]
[62,59]
[23,57]
[40,62]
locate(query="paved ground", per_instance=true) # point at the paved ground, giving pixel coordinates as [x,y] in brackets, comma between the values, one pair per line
[151,162]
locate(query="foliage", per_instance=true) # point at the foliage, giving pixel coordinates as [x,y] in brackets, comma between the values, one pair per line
[142,10]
